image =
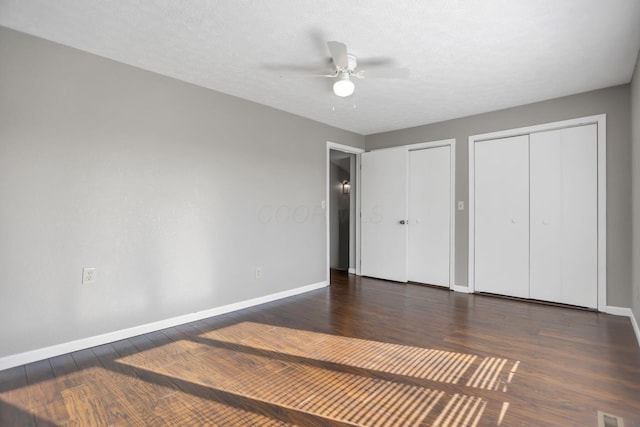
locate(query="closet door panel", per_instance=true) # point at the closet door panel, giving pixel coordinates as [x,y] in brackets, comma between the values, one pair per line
[429,215]
[580,219]
[546,216]
[564,222]
[502,216]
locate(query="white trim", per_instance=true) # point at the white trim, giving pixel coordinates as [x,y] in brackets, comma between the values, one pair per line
[624,311]
[350,150]
[19,359]
[430,144]
[358,215]
[619,311]
[351,271]
[600,120]
[636,328]
[540,128]
[462,289]
[451,142]
[471,207]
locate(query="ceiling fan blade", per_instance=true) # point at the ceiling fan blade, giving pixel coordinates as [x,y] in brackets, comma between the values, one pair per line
[384,73]
[315,69]
[339,54]
[318,75]
[374,62]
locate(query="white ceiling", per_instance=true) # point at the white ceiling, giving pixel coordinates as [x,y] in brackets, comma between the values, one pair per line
[466,56]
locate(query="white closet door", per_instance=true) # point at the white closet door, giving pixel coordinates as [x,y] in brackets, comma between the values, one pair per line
[502,216]
[383,204]
[429,215]
[564,222]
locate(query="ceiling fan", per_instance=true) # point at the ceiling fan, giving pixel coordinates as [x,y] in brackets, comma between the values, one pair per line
[345,67]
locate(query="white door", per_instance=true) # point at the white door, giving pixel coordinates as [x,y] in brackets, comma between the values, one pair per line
[429,215]
[502,216]
[384,180]
[564,221]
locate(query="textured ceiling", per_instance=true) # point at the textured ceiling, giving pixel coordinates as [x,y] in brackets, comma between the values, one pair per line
[466,57]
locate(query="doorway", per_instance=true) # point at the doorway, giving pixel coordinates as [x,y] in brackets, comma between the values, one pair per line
[342,208]
[341,211]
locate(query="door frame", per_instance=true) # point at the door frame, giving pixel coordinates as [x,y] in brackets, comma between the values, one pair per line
[451,143]
[351,150]
[601,121]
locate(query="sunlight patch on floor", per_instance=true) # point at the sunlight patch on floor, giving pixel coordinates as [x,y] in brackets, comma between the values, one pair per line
[337,396]
[424,363]
[98,396]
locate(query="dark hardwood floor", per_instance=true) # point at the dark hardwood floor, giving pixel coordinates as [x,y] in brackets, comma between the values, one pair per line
[361,352]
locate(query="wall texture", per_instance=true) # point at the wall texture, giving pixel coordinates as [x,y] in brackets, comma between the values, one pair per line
[612,101]
[173,192]
[635,162]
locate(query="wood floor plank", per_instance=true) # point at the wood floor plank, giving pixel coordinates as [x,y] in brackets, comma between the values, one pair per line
[124,347]
[63,365]
[85,359]
[83,407]
[13,416]
[44,393]
[39,371]
[12,378]
[10,415]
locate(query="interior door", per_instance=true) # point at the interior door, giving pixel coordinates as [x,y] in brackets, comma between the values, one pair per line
[502,216]
[429,215]
[384,179]
[564,220]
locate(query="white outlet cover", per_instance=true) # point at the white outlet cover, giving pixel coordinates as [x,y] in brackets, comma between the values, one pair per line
[88,275]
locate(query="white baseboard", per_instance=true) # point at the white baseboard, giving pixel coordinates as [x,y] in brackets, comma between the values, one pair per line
[463,289]
[352,271]
[623,311]
[13,360]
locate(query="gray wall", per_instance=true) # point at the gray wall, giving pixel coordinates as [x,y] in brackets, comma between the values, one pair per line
[635,135]
[175,193]
[612,101]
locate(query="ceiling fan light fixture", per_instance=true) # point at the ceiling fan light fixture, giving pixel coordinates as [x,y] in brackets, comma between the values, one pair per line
[343,86]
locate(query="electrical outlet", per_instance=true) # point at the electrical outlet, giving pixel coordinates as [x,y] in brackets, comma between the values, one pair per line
[88,275]
[258,272]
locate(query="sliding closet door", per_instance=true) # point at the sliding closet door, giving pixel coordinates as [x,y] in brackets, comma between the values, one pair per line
[502,216]
[564,222]
[429,215]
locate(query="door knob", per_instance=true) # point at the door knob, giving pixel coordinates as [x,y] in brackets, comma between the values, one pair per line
[403,222]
